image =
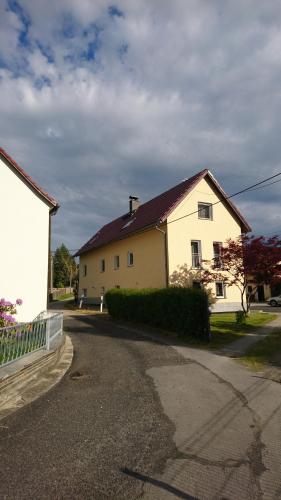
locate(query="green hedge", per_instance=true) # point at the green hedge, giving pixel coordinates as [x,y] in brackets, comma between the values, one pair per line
[182,310]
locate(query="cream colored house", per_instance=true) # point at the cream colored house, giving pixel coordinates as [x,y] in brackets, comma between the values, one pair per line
[147,246]
[25,239]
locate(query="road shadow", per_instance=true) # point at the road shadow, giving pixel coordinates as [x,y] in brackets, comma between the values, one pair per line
[160,484]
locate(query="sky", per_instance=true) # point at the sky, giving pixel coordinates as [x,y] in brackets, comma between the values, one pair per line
[103,100]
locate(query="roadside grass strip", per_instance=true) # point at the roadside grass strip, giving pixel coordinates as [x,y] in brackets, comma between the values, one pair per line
[267,351]
[225,329]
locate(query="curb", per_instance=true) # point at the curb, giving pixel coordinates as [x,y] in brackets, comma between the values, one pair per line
[35,378]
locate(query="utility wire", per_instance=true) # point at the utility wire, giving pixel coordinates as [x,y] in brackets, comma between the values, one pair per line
[253,187]
[249,188]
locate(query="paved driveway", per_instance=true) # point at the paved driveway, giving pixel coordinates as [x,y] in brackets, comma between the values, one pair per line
[139,419]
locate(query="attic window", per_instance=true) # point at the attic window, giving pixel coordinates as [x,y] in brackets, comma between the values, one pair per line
[128,223]
[205,211]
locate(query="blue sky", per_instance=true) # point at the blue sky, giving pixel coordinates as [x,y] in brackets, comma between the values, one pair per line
[101,100]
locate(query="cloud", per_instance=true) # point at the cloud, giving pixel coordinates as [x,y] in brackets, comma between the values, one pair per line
[100,100]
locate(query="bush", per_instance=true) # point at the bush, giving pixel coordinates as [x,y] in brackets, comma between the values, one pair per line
[182,310]
[240,317]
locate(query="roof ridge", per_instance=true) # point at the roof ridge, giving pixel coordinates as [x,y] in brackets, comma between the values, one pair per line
[153,211]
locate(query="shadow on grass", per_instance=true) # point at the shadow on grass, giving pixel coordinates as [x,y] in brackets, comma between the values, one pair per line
[267,351]
[104,326]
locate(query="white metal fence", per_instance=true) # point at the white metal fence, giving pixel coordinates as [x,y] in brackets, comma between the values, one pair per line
[21,339]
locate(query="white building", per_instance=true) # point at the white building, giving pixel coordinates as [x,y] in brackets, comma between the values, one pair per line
[26,211]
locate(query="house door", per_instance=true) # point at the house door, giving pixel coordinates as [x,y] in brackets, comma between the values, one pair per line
[260,293]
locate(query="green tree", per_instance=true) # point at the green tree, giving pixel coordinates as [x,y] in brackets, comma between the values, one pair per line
[65,268]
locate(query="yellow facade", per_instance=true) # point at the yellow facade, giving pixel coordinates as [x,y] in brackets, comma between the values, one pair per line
[154,260]
[148,269]
[221,227]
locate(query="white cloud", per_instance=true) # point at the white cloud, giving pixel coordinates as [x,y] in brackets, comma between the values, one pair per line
[167,89]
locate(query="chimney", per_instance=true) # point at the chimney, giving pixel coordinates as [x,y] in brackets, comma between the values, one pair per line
[134,204]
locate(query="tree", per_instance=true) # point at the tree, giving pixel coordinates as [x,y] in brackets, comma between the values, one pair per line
[65,268]
[248,259]
[187,277]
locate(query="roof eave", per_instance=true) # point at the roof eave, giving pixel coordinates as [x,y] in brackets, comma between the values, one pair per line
[51,202]
[143,229]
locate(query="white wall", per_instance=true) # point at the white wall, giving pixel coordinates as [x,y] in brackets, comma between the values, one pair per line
[23,245]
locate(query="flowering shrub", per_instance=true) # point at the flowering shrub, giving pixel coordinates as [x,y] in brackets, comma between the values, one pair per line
[7,311]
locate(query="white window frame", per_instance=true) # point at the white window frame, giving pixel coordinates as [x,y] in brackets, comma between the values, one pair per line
[115,266]
[223,290]
[199,254]
[129,253]
[210,208]
[102,265]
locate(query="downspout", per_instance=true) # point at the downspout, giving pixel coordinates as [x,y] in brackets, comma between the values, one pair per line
[166,255]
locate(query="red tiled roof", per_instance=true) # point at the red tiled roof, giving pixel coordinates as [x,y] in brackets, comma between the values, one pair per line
[50,200]
[153,212]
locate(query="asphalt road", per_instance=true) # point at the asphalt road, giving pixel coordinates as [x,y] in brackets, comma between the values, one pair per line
[265,308]
[100,426]
[135,418]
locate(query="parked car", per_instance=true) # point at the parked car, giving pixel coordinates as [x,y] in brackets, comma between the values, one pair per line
[274,301]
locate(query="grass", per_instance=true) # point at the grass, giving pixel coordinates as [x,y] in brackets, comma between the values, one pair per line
[264,352]
[225,330]
[65,296]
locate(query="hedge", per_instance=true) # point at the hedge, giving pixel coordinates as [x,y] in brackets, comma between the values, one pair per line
[182,310]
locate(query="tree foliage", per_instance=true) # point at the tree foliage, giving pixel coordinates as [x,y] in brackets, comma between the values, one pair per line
[65,268]
[254,260]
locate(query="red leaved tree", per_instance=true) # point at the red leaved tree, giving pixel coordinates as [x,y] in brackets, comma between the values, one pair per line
[254,259]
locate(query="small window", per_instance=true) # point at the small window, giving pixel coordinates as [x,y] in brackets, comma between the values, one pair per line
[205,211]
[116,262]
[117,286]
[217,245]
[196,253]
[102,265]
[220,290]
[84,292]
[130,258]
[84,270]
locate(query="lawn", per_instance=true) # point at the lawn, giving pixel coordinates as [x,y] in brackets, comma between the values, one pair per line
[267,351]
[65,296]
[224,328]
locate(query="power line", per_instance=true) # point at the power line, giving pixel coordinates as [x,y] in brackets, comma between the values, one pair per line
[270,184]
[253,187]
[249,188]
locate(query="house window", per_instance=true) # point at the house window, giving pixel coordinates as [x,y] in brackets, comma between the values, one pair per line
[130,258]
[102,265]
[196,253]
[217,253]
[117,286]
[84,270]
[116,262]
[220,290]
[205,211]
[84,292]
[196,284]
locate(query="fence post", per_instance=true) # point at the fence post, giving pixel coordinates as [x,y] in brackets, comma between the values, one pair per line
[47,334]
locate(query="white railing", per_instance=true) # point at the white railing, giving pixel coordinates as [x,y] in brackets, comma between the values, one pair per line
[21,339]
